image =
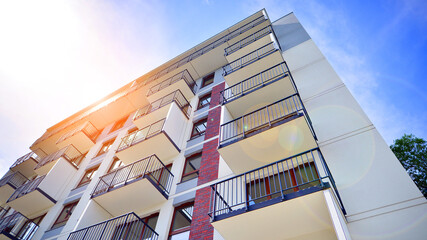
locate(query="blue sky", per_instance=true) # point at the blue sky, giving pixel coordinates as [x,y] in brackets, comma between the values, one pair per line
[59,56]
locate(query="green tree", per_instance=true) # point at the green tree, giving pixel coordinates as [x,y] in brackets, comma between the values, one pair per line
[412,154]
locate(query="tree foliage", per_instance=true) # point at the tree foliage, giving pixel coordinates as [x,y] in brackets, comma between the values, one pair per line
[412,153]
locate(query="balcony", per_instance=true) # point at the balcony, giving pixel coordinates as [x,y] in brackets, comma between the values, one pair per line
[158,138]
[249,44]
[8,185]
[264,88]
[287,199]
[82,138]
[17,227]
[258,60]
[160,109]
[38,195]
[265,135]
[68,154]
[26,164]
[212,52]
[181,81]
[128,226]
[148,181]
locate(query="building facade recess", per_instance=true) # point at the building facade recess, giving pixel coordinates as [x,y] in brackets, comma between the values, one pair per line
[248,135]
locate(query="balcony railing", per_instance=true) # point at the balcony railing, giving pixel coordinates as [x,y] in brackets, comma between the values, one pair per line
[253,83]
[185,75]
[262,119]
[70,153]
[248,40]
[25,158]
[17,226]
[15,180]
[150,167]
[26,188]
[250,58]
[208,48]
[128,226]
[2,212]
[88,129]
[141,135]
[176,97]
[285,179]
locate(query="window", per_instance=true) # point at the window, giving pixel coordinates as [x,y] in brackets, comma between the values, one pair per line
[191,167]
[64,215]
[295,179]
[209,79]
[119,124]
[116,164]
[87,177]
[105,147]
[151,220]
[77,160]
[199,128]
[204,101]
[181,221]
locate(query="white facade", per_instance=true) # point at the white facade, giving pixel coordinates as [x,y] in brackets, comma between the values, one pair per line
[380,199]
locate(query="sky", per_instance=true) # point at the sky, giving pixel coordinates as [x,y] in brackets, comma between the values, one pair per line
[57,57]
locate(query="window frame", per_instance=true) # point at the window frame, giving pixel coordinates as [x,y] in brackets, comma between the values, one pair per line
[119,124]
[203,97]
[85,182]
[197,123]
[101,151]
[68,215]
[192,172]
[115,159]
[207,78]
[184,229]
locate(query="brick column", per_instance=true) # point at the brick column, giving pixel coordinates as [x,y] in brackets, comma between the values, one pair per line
[200,225]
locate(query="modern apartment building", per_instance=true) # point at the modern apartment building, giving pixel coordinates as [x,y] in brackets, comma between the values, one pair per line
[248,135]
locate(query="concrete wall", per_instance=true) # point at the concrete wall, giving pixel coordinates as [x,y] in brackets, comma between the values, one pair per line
[375,188]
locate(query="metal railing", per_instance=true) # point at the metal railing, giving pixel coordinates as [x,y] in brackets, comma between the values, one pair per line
[15,180]
[250,58]
[250,84]
[69,153]
[141,135]
[128,226]
[208,47]
[2,212]
[18,226]
[263,118]
[176,97]
[87,128]
[166,70]
[273,181]
[184,75]
[150,167]
[248,40]
[26,188]
[25,158]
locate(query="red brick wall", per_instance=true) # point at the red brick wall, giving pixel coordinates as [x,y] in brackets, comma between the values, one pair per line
[200,225]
